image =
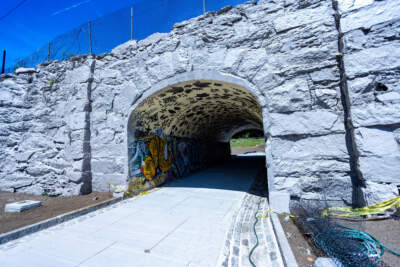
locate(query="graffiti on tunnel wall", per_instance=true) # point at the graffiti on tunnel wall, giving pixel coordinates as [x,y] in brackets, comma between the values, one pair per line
[157,159]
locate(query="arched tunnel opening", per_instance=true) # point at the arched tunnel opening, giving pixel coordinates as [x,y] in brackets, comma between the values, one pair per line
[187,127]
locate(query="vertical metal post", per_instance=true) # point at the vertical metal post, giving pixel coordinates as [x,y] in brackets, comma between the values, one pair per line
[3,66]
[131,23]
[204,6]
[48,51]
[90,37]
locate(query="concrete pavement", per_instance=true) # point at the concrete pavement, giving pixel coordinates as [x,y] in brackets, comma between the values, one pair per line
[182,224]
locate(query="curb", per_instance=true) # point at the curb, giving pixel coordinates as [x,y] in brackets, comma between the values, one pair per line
[26,230]
[287,253]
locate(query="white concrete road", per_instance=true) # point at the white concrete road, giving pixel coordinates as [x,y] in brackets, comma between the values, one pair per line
[183,224]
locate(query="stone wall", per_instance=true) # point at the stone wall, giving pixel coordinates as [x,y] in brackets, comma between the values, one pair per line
[323,132]
[371,55]
[43,121]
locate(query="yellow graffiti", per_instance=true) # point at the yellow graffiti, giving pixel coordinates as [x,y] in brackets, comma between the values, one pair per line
[156,165]
[149,169]
[154,148]
[157,148]
[165,165]
[159,180]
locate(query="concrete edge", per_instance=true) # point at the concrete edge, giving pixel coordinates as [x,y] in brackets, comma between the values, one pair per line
[286,251]
[29,229]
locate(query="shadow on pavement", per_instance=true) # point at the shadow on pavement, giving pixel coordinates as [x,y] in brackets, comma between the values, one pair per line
[238,174]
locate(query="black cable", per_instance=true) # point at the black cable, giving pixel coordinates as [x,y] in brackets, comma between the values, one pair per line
[12,9]
[255,233]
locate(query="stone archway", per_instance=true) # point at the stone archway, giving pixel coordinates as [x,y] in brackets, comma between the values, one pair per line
[200,114]
[317,127]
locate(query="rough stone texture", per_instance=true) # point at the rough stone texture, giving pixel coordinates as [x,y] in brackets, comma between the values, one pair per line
[66,123]
[371,61]
[41,119]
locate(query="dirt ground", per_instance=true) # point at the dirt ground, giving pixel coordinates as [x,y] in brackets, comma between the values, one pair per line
[243,150]
[386,231]
[303,249]
[51,207]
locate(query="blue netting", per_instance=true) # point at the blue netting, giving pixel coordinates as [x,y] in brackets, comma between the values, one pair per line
[114,29]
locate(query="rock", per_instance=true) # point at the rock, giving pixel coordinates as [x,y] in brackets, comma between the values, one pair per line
[100,181]
[25,70]
[74,151]
[301,17]
[348,5]
[24,156]
[324,75]
[383,169]
[326,146]
[77,120]
[377,192]
[34,189]
[369,142]
[379,12]
[327,262]
[12,182]
[372,60]
[391,96]
[376,114]
[316,122]
[307,167]
[21,205]
[38,170]
[105,166]
[152,39]
[293,95]
[315,187]
[124,48]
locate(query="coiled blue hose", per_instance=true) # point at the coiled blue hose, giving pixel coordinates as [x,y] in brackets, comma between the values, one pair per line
[362,249]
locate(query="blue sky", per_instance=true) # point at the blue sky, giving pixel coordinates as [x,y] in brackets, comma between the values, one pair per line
[36,22]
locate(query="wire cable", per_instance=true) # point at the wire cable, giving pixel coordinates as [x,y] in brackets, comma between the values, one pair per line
[350,246]
[255,233]
[12,9]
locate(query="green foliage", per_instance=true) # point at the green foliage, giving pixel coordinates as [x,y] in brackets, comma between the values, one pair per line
[45,193]
[246,142]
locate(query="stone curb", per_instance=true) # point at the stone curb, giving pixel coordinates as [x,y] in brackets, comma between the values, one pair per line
[26,230]
[287,253]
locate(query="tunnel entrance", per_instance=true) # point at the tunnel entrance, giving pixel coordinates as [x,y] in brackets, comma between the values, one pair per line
[185,127]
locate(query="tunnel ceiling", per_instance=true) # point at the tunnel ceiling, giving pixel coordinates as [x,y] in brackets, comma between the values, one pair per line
[202,109]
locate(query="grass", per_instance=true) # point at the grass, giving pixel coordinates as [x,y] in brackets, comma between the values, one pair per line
[246,142]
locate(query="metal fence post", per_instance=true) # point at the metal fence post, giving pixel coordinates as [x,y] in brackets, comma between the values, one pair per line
[131,23]
[204,6]
[3,66]
[48,51]
[90,37]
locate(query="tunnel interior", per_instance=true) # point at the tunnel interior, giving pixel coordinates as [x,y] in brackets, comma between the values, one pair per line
[185,127]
